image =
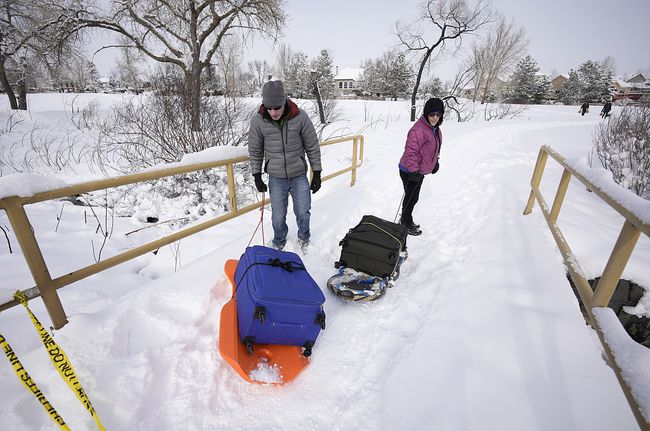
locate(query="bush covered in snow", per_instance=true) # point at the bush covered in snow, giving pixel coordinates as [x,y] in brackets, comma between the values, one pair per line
[622,145]
[155,128]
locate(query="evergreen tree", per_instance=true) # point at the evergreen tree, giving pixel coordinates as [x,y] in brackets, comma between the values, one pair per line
[589,83]
[370,78]
[432,88]
[297,79]
[323,65]
[526,85]
[389,75]
[573,90]
[398,77]
[596,80]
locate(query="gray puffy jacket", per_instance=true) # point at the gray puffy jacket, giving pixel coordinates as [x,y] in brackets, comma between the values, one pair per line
[283,148]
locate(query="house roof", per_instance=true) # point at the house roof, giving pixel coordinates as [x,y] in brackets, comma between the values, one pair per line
[347,73]
[637,79]
[622,83]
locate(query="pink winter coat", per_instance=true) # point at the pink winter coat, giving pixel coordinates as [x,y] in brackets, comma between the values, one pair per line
[422,148]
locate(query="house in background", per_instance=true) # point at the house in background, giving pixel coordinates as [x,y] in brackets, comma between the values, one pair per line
[496,90]
[557,84]
[635,89]
[347,81]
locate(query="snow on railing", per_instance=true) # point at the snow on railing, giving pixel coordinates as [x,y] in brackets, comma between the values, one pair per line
[19,190]
[636,212]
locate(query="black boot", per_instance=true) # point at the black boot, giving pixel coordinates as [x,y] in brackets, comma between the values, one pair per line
[412,228]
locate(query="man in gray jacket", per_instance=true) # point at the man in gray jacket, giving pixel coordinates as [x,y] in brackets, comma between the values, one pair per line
[280,135]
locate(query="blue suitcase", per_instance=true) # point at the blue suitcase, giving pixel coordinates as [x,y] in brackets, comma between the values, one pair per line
[277,300]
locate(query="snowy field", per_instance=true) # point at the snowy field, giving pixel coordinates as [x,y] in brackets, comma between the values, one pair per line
[481,332]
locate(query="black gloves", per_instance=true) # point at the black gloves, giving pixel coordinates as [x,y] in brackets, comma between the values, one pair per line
[415,177]
[436,167]
[261,187]
[315,182]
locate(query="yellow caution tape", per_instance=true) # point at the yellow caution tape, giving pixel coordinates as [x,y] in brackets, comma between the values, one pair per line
[60,361]
[27,381]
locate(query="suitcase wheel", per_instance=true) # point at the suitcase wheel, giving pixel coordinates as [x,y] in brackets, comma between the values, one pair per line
[308,345]
[248,341]
[259,314]
[320,320]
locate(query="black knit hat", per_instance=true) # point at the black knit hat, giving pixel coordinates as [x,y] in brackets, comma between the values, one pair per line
[434,104]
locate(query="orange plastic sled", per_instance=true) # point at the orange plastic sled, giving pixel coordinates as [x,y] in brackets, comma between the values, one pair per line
[269,363]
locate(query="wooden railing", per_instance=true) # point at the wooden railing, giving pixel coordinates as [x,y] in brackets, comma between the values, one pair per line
[46,287]
[627,239]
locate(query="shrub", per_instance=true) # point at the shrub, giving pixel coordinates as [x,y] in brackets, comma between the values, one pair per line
[155,128]
[622,145]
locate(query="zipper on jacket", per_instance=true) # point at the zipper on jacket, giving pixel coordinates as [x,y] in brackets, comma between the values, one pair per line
[285,126]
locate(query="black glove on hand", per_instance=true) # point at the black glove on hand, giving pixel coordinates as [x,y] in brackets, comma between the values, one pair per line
[436,167]
[415,177]
[261,187]
[315,182]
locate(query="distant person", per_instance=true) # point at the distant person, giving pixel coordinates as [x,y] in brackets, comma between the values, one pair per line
[280,135]
[420,157]
[584,108]
[606,108]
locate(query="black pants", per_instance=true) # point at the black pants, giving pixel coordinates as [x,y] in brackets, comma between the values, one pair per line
[412,194]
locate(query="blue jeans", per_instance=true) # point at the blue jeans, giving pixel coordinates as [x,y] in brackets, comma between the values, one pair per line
[279,190]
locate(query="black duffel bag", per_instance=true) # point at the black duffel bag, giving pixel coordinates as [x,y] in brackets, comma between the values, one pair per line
[374,246]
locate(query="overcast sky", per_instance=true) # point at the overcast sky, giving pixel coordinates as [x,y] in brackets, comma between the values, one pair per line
[562,33]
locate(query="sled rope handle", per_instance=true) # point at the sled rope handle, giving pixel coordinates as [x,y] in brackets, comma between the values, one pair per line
[261,223]
[399,207]
[30,384]
[402,200]
[60,361]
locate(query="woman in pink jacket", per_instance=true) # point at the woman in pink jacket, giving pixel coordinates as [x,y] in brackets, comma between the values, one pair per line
[420,157]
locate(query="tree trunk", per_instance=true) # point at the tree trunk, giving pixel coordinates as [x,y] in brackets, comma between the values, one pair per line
[319,101]
[418,78]
[193,96]
[22,94]
[5,85]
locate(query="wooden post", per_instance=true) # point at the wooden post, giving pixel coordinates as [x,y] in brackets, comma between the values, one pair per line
[559,196]
[354,161]
[615,265]
[231,189]
[537,178]
[34,257]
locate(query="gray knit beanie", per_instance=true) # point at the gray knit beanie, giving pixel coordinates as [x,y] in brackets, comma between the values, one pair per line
[273,94]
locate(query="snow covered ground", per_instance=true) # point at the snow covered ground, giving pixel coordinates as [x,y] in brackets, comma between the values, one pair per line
[481,332]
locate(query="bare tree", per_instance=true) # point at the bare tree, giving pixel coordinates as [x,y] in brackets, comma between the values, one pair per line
[609,65]
[495,55]
[227,61]
[283,60]
[259,70]
[188,34]
[444,21]
[463,109]
[127,67]
[155,128]
[32,32]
